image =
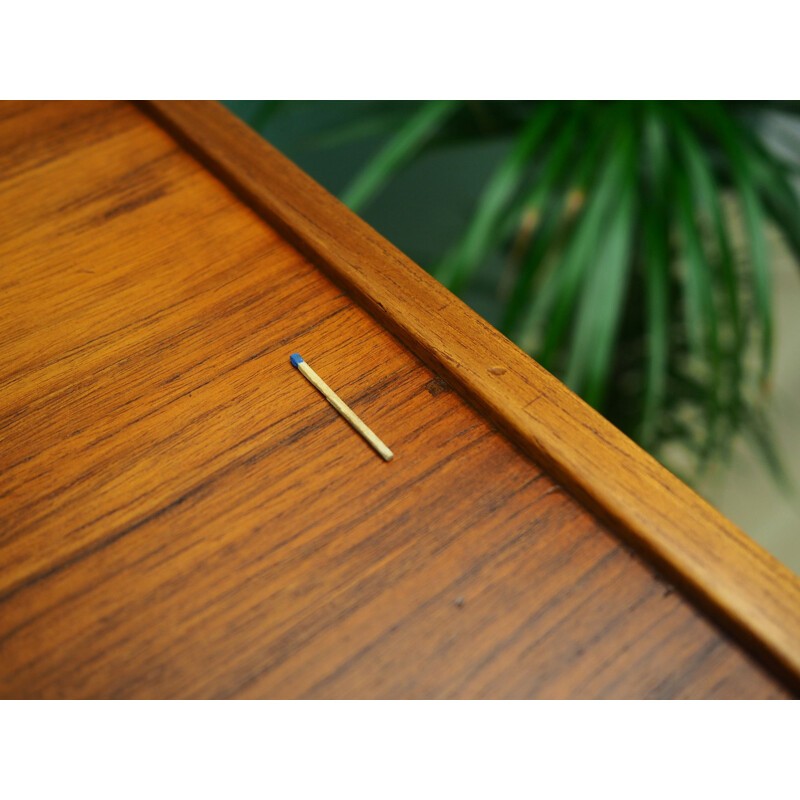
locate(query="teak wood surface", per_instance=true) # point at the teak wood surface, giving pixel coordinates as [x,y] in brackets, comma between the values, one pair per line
[182,514]
[737,581]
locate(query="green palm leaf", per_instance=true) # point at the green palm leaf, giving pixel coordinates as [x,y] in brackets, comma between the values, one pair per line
[400,149]
[601,302]
[656,258]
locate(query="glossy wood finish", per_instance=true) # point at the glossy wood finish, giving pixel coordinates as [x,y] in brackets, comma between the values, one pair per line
[182,515]
[735,579]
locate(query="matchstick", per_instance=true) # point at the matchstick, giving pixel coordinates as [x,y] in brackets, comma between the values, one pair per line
[339,405]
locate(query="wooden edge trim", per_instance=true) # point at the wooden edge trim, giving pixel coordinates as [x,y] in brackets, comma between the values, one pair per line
[743,586]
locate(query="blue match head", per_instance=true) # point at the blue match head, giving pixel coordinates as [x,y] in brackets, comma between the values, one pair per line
[296,359]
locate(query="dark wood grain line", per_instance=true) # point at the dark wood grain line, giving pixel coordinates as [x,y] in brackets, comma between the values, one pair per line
[447,591]
[97,123]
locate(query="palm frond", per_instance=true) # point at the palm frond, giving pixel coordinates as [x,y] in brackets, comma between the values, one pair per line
[481,233]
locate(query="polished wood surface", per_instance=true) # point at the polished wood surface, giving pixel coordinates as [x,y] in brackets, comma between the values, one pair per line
[735,579]
[182,514]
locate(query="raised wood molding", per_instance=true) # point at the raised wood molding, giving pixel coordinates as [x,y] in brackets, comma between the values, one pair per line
[745,587]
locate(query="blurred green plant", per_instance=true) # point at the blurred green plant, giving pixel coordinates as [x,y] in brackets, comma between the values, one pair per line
[623,274]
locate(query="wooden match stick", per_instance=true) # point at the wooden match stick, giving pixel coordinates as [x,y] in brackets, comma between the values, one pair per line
[340,406]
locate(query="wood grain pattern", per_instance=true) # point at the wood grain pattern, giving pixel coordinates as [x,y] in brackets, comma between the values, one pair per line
[745,587]
[182,515]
